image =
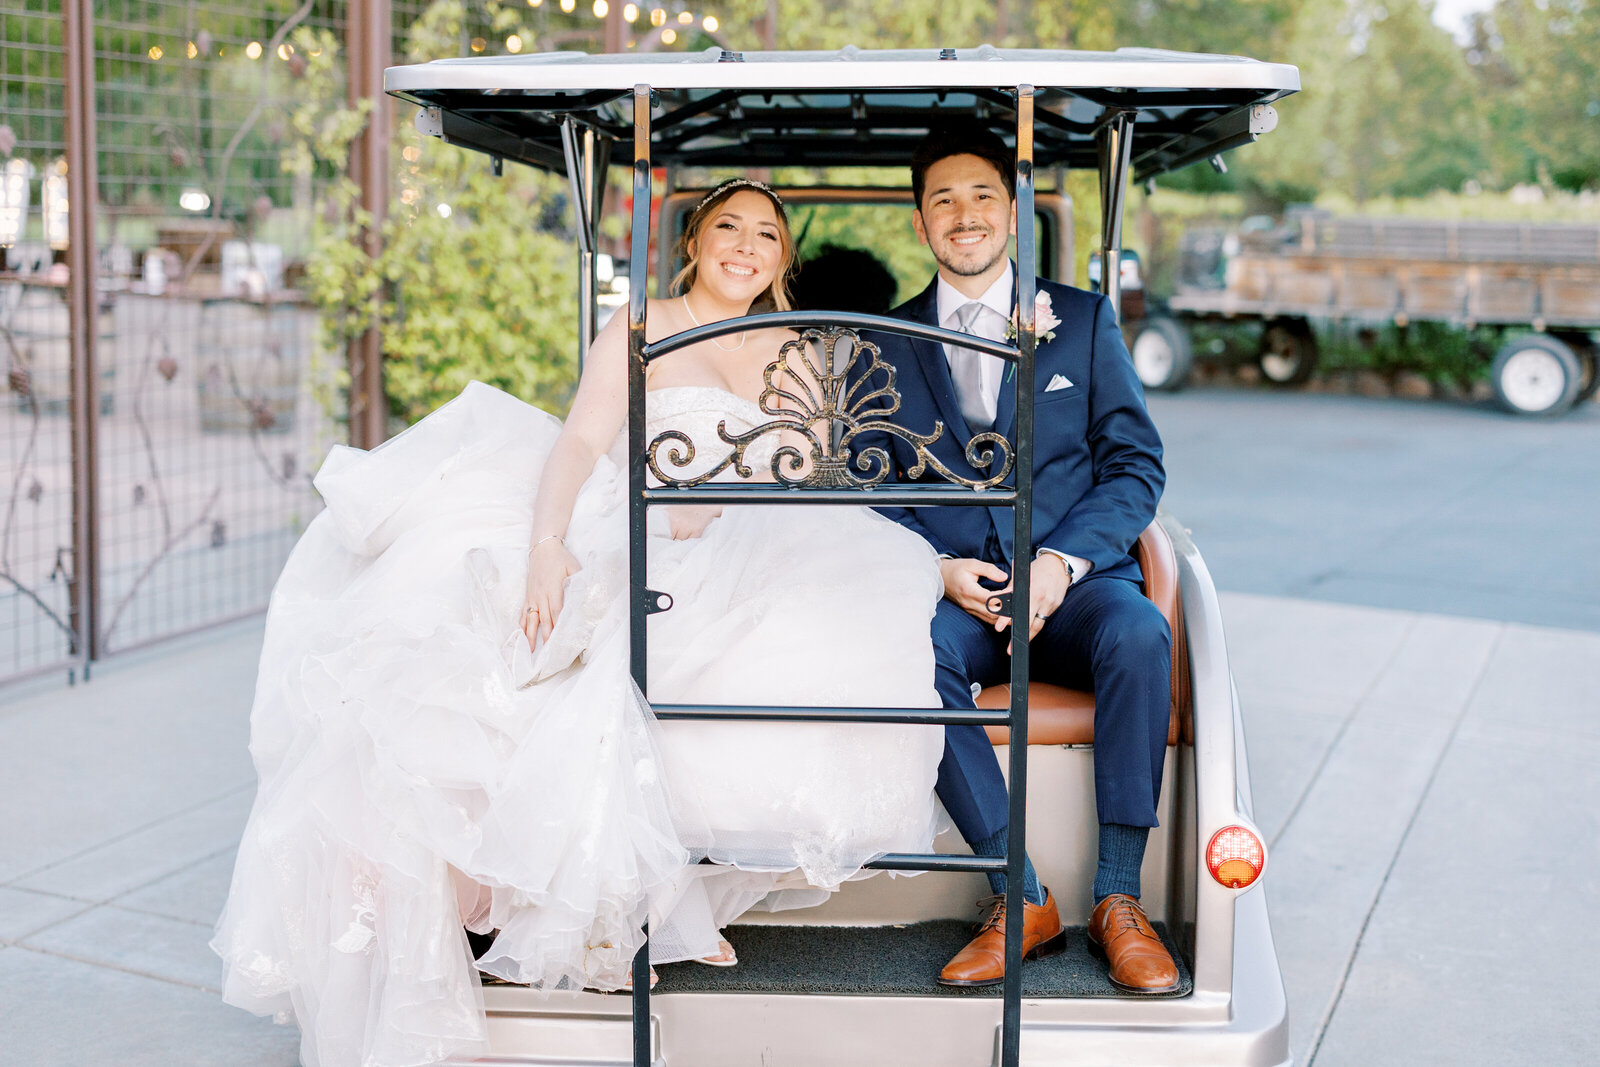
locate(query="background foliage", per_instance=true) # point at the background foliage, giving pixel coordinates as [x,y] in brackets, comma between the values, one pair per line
[1395,113]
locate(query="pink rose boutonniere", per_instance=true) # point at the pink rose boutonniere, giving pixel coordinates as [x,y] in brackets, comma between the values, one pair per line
[1044,324]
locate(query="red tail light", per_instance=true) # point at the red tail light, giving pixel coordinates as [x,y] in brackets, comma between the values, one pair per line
[1235,857]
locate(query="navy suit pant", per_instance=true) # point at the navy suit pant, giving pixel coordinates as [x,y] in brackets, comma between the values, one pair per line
[1107,637]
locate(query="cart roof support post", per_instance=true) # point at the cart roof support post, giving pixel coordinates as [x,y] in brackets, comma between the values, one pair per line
[1021,604]
[588,157]
[1115,143]
[638,269]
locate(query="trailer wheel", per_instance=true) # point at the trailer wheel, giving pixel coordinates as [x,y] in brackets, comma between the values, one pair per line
[1288,352]
[1589,380]
[1162,354]
[1535,374]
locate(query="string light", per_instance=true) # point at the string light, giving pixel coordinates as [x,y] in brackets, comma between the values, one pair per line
[411,153]
[630,13]
[601,9]
[535,3]
[479,44]
[668,36]
[685,17]
[711,24]
[568,5]
[513,44]
[155,52]
[444,211]
[658,16]
[191,51]
[285,50]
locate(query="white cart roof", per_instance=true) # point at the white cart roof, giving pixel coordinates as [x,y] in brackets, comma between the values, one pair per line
[852,106]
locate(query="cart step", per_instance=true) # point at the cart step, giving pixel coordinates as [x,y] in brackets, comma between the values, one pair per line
[888,961]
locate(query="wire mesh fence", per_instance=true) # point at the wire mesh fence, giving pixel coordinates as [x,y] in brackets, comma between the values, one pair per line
[212,412]
[36,626]
[216,399]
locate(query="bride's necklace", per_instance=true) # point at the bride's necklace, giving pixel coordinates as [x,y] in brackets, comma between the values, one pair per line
[697,322]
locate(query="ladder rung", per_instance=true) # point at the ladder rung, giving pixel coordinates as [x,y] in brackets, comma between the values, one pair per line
[768,494]
[935,861]
[761,712]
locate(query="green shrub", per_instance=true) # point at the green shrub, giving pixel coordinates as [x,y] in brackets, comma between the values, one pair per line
[476,276]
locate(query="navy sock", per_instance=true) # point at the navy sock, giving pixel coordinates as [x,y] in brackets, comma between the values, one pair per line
[1121,854]
[996,846]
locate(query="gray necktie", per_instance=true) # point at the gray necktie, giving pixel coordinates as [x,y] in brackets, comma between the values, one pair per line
[966,371]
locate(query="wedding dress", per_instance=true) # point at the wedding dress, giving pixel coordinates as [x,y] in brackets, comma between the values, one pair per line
[420,768]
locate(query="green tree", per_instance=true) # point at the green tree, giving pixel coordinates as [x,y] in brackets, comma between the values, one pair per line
[1537,71]
[476,278]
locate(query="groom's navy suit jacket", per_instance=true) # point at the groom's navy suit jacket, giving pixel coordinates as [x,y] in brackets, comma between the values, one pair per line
[1097,456]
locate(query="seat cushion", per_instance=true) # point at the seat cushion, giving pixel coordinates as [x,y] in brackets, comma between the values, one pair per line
[1061,716]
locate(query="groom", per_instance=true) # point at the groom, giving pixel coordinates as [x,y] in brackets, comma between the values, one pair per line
[1097,478]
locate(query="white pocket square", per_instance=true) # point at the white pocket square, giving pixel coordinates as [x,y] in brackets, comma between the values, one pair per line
[1059,381]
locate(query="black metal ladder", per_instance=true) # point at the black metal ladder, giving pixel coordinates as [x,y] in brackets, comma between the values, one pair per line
[645,602]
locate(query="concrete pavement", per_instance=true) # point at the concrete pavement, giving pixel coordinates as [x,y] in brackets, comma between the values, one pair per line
[124,799]
[1423,781]
[1453,508]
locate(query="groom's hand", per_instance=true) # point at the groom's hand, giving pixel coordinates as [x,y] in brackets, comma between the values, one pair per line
[1047,587]
[962,586]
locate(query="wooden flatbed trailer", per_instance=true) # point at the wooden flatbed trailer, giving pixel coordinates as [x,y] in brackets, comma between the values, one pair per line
[1539,280]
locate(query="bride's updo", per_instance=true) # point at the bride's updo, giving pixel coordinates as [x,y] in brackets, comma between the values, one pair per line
[776,296]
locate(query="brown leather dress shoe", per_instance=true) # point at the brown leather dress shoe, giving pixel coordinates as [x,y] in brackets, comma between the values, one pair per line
[1120,934]
[983,961]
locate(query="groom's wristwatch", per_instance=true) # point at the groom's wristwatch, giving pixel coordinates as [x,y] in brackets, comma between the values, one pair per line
[1072,574]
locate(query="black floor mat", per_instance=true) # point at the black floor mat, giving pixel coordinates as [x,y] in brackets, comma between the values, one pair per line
[886,961]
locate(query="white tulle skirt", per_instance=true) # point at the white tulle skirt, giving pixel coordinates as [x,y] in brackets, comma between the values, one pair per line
[420,769]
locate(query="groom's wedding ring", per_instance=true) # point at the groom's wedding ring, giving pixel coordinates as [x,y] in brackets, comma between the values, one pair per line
[1041,616]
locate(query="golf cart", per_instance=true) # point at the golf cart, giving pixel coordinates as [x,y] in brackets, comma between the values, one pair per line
[852,981]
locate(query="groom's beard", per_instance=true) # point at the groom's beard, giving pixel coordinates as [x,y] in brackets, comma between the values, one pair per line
[968,266]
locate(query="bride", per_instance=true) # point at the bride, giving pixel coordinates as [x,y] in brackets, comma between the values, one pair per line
[446,732]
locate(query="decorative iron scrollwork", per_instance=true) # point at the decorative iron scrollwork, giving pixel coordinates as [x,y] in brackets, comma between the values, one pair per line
[808,392]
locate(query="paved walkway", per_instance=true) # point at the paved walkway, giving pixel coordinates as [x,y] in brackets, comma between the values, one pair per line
[1423,779]
[124,799]
[1453,508]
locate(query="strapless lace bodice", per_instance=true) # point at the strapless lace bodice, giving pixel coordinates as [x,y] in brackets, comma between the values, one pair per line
[696,411]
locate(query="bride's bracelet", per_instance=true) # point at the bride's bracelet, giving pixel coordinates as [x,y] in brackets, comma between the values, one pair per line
[547,537]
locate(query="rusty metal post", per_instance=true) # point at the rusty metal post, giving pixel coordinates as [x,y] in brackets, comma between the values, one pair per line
[769,27]
[616,31]
[82,191]
[367,41]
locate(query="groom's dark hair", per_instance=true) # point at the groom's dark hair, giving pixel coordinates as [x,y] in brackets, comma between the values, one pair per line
[964,138]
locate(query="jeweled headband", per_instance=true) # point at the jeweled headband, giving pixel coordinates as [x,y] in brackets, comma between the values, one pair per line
[735,183]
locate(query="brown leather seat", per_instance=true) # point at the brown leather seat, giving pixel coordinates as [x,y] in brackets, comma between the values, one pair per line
[1061,716]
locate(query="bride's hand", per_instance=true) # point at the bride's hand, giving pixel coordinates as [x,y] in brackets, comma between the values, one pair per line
[549,567]
[690,520]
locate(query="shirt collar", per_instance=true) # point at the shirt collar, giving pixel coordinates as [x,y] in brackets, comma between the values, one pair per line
[997,298]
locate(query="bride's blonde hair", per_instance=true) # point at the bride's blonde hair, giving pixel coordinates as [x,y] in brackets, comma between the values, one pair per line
[776,295]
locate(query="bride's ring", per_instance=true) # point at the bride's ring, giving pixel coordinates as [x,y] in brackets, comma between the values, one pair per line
[529,611]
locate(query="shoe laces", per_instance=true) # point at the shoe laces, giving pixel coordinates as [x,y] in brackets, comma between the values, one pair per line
[997,913]
[1128,916]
